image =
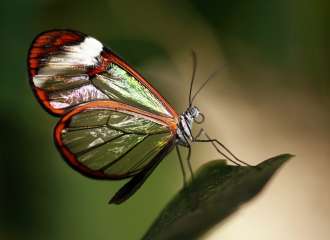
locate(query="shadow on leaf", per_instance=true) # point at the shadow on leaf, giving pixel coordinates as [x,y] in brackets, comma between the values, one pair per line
[216,192]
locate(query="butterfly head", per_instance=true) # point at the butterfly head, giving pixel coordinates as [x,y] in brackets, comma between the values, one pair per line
[195,114]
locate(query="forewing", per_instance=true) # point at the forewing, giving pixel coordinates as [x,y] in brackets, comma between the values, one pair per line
[107,141]
[68,68]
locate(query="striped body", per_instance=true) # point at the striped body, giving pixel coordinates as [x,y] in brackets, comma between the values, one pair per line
[184,126]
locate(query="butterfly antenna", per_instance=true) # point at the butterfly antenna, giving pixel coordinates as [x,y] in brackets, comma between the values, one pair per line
[204,84]
[194,58]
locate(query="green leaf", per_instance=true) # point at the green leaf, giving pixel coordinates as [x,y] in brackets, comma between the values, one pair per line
[216,192]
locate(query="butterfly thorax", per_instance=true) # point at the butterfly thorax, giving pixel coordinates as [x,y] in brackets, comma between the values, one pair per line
[184,130]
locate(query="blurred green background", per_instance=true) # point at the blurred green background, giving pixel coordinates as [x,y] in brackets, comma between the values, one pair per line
[272,96]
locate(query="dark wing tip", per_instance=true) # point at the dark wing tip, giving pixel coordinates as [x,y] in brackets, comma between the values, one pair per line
[130,188]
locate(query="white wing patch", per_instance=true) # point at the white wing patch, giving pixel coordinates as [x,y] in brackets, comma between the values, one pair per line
[69,61]
[84,53]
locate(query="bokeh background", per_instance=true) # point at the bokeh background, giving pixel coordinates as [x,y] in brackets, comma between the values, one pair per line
[271,96]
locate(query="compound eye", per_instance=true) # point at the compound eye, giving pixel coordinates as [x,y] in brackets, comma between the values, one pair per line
[194,111]
[199,118]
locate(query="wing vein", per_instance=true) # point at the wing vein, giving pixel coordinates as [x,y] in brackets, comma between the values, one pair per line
[78,154]
[124,154]
[73,129]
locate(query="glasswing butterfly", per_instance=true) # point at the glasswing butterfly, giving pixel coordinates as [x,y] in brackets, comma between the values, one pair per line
[114,124]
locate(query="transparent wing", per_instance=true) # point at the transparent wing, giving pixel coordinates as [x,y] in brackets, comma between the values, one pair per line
[105,141]
[68,68]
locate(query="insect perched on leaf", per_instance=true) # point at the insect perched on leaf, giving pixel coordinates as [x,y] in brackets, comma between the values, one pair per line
[114,124]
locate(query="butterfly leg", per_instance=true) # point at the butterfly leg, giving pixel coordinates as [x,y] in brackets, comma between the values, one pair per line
[198,134]
[189,162]
[182,166]
[215,143]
